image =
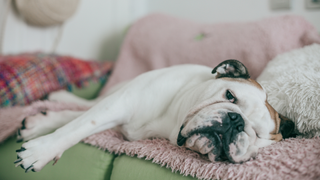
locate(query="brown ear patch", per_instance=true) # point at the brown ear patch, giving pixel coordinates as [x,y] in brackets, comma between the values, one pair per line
[286,127]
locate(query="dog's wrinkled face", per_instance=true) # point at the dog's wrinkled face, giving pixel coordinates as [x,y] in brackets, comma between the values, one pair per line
[233,118]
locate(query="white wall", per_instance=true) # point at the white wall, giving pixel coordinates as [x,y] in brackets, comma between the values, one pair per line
[229,10]
[96,30]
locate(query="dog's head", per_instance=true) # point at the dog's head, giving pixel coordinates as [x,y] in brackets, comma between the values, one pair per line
[231,118]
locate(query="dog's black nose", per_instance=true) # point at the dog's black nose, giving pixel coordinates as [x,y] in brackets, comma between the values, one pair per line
[236,121]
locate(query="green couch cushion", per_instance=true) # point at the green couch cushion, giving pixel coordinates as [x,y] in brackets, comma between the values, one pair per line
[81,161]
[90,91]
[133,168]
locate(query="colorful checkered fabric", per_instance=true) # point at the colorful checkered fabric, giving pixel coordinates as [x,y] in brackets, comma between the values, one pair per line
[28,77]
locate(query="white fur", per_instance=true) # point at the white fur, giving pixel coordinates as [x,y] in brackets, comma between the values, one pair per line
[156,104]
[41,124]
[292,82]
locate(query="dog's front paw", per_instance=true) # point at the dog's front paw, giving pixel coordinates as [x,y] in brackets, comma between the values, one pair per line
[35,126]
[35,154]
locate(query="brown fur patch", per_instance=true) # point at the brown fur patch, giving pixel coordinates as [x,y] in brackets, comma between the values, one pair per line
[275,116]
[246,81]
[255,83]
[276,137]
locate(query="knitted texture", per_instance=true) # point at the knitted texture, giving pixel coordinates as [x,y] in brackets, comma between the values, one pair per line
[28,77]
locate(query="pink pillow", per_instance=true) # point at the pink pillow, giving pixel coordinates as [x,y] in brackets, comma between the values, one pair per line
[159,41]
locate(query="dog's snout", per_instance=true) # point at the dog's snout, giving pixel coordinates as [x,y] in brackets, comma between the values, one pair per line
[236,121]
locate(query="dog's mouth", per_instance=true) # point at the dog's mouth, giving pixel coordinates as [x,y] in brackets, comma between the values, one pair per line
[216,142]
[181,139]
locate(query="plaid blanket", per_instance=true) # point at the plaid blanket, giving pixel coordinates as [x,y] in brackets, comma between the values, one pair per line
[28,77]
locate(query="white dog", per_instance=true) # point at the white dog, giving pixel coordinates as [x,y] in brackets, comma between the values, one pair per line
[224,114]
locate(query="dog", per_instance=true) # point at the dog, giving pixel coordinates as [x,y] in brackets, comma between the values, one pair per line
[221,113]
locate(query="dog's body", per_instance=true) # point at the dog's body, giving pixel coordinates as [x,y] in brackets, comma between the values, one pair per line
[220,114]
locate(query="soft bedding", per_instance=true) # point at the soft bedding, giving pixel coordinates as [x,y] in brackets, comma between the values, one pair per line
[292,82]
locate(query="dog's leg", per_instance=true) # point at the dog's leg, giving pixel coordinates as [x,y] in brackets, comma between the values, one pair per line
[65,96]
[108,113]
[44,123]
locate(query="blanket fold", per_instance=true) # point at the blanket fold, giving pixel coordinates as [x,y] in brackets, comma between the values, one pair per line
[11,117]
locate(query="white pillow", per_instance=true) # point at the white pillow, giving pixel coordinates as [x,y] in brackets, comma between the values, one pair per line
[292,82]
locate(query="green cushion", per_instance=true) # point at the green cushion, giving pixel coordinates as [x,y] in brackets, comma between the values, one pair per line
[88,92]
[79,162]
[126,167]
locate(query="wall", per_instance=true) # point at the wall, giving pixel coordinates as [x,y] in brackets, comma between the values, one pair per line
[229,10]
[96,30]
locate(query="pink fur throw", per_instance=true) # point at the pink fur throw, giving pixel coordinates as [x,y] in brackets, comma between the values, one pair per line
[159,41]
[288,159]
[11,117]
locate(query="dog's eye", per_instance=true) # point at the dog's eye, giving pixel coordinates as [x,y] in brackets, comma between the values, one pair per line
[230,97]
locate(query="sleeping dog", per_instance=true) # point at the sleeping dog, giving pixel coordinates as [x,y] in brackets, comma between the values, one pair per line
[220,112]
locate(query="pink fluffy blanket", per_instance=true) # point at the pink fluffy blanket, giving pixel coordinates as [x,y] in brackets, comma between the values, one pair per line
[288,159]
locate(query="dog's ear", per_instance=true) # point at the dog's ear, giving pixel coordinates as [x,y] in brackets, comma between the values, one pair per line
[231,68]
[286,127]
